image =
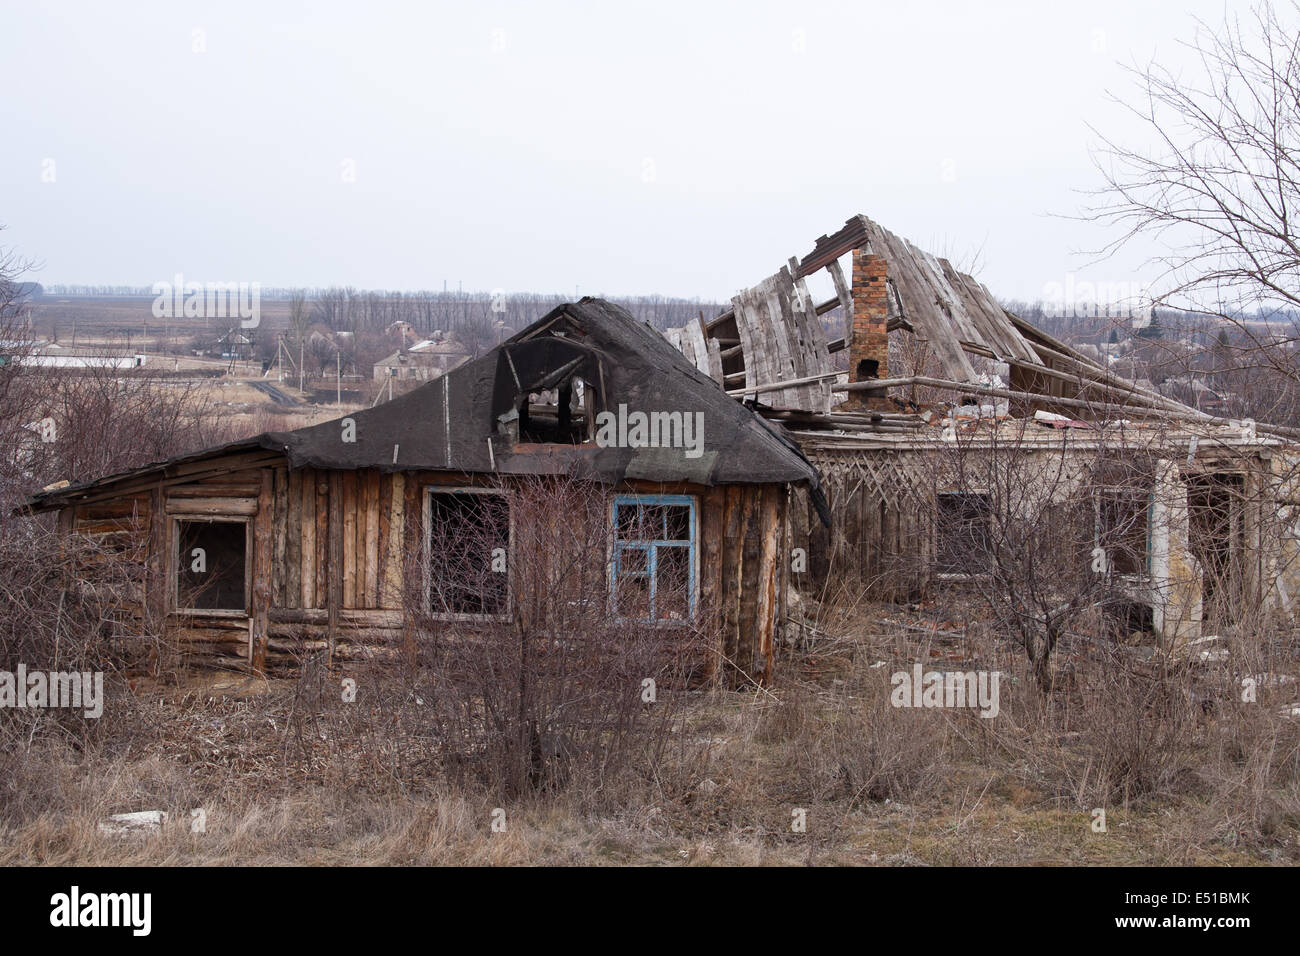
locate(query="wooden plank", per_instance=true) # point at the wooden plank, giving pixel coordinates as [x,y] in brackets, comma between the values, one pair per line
[156,568]
[244,507]
[844,294]
[280,489]
[729,592]
[350,539]
[748,648]
[772,359]
[385,528]
[715,360]
[392,585]
[776,321]
[413,510]
[293,541]
[372,538]
[919,306]
[308,505]
[215,488]
[322,538]
[261,572]
[334,592]
[749,346]
[767,577]
[699,344]
[812,340]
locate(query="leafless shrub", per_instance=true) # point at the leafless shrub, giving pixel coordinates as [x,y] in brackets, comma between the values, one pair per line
[518,676]
[65,608]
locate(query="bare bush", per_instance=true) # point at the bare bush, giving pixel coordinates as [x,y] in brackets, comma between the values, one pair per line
[518,676]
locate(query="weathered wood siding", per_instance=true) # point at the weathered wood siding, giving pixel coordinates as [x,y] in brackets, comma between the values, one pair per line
[333,551]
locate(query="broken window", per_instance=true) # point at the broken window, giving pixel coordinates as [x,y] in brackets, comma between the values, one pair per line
[964,529]
[1216,535]
[468,542]
[1121,522]
[654,557]
[560,415]
[212,565]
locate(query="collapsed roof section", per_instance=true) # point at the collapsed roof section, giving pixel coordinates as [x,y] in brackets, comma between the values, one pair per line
[771,345]
[533,406]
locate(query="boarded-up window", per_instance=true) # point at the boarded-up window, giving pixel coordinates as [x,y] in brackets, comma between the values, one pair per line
[1121,523]
[467,544]
[211,563]
[964,531]
[654,557]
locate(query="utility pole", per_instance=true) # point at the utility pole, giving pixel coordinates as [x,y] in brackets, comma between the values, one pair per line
[338,371]
[300,370]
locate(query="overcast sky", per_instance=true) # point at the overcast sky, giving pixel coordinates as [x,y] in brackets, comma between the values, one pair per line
[686,149]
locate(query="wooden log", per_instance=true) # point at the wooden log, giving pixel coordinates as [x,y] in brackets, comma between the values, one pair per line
[729,595]
[350,539]
[261,572]
[748,648]
[712,511]
[126,508]
[396,535]
[372,538]
[157,566]
[385,529]
[308,554]
[789,383]
[215,487]
[334,595]
[280,487]
[322,538]
[293,541]
[768,575]
[353,618]
[204,507]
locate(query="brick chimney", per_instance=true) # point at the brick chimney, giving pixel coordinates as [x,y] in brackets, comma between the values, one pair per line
[869,332]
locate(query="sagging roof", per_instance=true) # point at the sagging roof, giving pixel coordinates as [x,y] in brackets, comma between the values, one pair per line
[775,326]
[460,421]
[770,346]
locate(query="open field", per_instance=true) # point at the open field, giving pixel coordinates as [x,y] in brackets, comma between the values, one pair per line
[108,321]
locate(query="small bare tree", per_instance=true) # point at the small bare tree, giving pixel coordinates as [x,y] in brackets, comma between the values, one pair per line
[539,675]
[1220,188]
[1048,534]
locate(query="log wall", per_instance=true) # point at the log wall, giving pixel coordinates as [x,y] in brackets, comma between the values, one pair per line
[332,555]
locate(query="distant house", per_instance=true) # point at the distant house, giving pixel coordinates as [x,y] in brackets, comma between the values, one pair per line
[424,360]
[404,329]
[235,345]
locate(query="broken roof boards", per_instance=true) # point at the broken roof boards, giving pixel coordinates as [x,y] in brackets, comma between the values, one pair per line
[771,341]
[781,337]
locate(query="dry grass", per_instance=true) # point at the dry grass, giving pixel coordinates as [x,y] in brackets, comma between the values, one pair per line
[878,785]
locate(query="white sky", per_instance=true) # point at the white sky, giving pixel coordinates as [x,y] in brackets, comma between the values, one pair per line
[509,145]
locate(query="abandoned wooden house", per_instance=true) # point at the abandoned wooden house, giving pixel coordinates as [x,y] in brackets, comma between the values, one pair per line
[309,539]
[740,457]
[935,366]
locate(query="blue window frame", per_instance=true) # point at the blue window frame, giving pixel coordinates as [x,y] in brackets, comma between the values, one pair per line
[654,558]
